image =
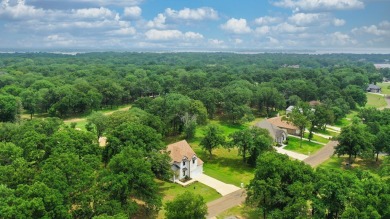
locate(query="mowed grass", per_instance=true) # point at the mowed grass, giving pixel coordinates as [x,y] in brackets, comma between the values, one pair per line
[243,211]
[374,100]
[316,138]
[171,190]
[385,87]
[347,120]
[307,147]
[225,165]
[327,132]
[358,164]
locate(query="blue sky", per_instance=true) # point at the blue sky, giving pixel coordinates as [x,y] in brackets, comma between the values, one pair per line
[334,25]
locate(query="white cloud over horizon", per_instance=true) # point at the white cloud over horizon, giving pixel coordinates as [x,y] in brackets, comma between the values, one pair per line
[127,24]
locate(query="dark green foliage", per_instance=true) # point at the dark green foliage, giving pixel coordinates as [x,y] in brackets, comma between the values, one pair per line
[213,139]
[186,205]
[280,185]
[251,143]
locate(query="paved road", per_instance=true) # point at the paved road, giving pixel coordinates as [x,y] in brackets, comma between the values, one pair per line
[221,187]
[220,205]
[321,155]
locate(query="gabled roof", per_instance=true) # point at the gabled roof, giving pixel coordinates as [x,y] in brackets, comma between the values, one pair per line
[181,149]
[290,108]
[373,86]
[274,131]
[281,123]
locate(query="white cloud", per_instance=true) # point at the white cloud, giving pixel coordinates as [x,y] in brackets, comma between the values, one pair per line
[267,20]
[101,13]
[288,28]
[157,22]
[123,3]
[124,31]
[383,29]
[320,5]
[273,41]
[132,12]
[338,22]
[262,30]
[238,41]
[237,26]
[168,35]
[338,39]
[19,10]
[303,19]
[197,14]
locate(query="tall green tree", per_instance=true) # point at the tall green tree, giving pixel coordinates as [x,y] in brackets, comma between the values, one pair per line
[129,176]
[99,121]
[251,142]
[10,108]
[212,139]
[354,140]
[281,187]
[186,205]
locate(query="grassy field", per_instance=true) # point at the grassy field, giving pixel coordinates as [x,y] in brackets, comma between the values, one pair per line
[307,147]
[384,86]
[224,165]
[171,190]
[316,138]
[374,100]
[359,164]
[327,132]
[242,210]
[347,120]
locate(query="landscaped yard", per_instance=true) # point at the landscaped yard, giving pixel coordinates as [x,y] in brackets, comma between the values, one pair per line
[317,138]
[171,190]
[375,100]
[225,164]
[384,86]
[307,147]
[339,162]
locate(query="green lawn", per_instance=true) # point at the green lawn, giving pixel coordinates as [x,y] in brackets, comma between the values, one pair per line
[171,190]
[347,120]
[327,132]
[307,147]
[242,210]
[316,138]
[225,165]
[374,100]
[384,86]
[359,164]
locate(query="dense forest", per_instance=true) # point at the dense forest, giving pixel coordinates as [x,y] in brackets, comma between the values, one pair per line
[52,170]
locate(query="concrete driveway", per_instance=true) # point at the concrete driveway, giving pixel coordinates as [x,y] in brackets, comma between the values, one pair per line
[221,187]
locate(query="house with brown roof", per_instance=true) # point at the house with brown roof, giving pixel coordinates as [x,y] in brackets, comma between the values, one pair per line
[279,135]
[184,162]
[279,122]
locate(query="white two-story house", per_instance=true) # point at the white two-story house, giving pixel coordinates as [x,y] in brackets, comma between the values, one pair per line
[184,161]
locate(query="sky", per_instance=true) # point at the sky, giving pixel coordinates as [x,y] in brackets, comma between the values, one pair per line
[195,25]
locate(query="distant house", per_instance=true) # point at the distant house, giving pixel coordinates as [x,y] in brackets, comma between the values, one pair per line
[289,110]
[279,135]
[373,88]
[290,128]
[314,103]
[184,161]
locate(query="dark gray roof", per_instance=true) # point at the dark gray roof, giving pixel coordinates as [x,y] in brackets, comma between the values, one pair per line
[274,131]
[373,86]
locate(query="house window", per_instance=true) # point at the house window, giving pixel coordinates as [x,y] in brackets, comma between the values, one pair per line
[184,163]
[193,161]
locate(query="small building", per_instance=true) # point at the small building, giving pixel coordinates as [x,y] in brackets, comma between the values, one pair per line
[373,88]
[184,162]
[289,110]
[290,128]
[279,135]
